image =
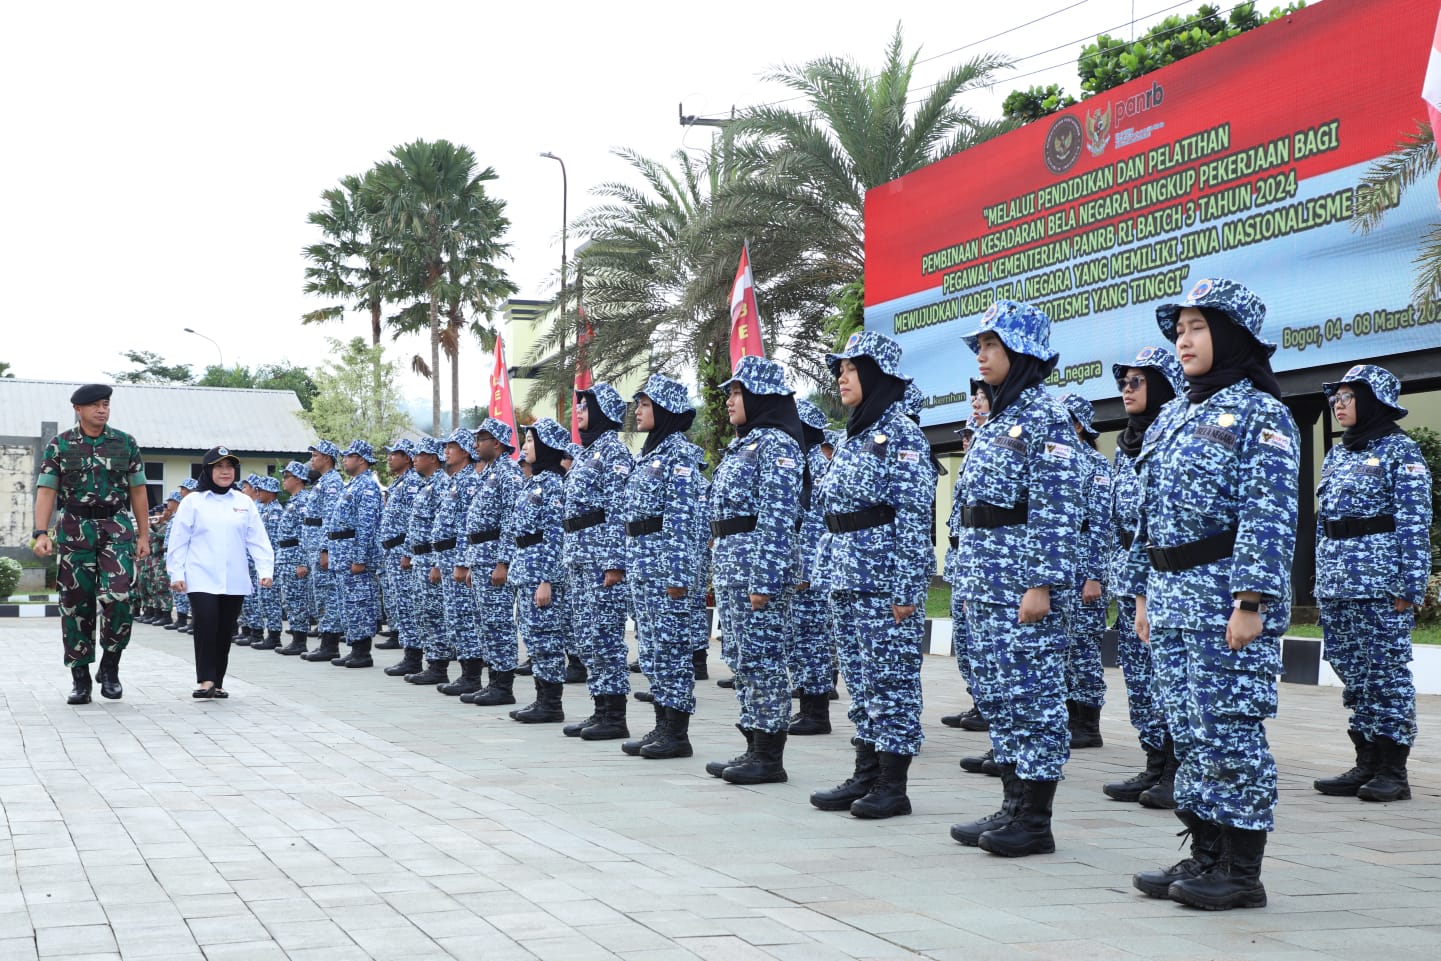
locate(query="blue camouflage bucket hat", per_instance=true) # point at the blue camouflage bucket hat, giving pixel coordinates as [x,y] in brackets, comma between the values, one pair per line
[608,399]
[668,393]
[552,435]
[498,429]
[1382,382]
[433,446]
[834,438]
[1230,298]
[465,440]
[267,484]
[327,448]
[1023,328]
[1158,359]
[914,400]
[297,470]
[175,496]
[362,448]
[191,484]
[251,478]
[811,415]
[402,446]
[759,375]
[869,343]
[1081,410]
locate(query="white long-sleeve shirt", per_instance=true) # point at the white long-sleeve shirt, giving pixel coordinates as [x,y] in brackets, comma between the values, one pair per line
[209,539]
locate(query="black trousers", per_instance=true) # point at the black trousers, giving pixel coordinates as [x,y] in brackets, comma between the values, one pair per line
[214,617]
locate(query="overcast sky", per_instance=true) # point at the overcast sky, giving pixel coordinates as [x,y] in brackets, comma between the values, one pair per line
[162,157]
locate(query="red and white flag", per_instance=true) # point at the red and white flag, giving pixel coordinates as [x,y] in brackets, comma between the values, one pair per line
[1431,86]
[501,407]
[745,315]
[584,376]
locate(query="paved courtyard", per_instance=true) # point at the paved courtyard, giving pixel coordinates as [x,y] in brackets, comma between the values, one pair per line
[332,814]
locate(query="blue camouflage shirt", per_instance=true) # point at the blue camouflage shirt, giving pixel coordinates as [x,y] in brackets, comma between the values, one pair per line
[759,476]
[539,509]
[813,525]
[665,483]
[291,527]
[358,510]
[452,494]
[596,482]
[318,507]
[1098,536]
[395,517]
[422,515]
[490,510]
[1125,518]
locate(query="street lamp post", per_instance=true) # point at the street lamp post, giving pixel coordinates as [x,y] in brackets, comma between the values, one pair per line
[560,301]
[218,351]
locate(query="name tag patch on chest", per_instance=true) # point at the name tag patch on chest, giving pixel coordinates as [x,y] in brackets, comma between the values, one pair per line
[1013,444]
[1217,435]
[1367,470]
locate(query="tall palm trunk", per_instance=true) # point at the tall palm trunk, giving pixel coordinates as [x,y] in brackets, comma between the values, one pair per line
[434,361]
[375,368]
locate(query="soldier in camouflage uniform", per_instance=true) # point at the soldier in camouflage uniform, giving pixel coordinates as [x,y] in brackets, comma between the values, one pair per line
[660,516]
[158,591]
[290,558]
[427,606]
[324,594]
[1372,558]
[1147,384]
[595,560]
[1021,513]
[755,503]
[248,625]
[877,497]
[394,579]
[962,641]
[810,654]
[1218,525]
[485,522]
[354,553]
[458,637]
[94,474]
[269,611]
[180,599]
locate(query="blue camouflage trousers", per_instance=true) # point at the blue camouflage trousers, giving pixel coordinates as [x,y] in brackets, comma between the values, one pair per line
[1368,645]
[962,641]
[1216,702]
[753,644]
[428,611]
[700,619]
[664,644]
[495,620]
[325,596]
[359,597]
[1085,623]
[399,599]
[1145,709]
[182,602]
[881,663]
[459,635]
[267,607]
[544,630]
[1020,689]
[294,591]
[809,641]
[597,621]
[249,611]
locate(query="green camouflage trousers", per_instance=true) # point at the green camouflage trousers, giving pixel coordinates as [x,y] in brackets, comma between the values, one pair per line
[96,571]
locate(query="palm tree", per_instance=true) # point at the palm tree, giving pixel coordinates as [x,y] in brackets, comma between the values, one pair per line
[1380,188]
[5,369]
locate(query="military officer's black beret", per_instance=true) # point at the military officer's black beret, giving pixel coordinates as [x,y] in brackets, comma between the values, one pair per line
[90,393]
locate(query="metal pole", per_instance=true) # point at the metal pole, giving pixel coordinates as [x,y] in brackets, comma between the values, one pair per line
[561,398]
[218,351]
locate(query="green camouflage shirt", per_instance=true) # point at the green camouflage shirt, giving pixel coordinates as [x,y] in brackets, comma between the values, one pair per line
[92,471]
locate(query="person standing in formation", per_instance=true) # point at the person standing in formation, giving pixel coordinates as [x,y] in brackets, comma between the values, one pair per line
[490,510]
[269,610]
[316,569]
[290,559]
[354,553]
[458,637]
[395,576]
[180,600]
[961,640]
[427,603]
[810,645]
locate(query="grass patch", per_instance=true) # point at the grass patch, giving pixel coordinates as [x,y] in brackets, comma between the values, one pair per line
[938,601]
[1428,634]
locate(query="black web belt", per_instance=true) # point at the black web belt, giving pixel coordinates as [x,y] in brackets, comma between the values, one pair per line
[422,548]
[395,541]
[646,525]
[285,542]
[581,522]
[92,512]
[483,537]
[860,520]
[989,515]
[733,525]
[313,521]
[1127,539]
[341,535]
[445,545]
[530,540]
[1348,527]
[1186,556]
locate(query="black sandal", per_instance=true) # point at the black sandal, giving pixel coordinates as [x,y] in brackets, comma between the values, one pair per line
[203,692]
[218,694]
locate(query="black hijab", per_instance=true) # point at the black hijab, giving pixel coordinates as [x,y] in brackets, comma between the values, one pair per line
[666,423]
[599,423]
[1235,356]
[813,436]
[1158,392]
[546,458]
[1026,372]
[206,480]
[1373,418]
[878,392]
[779,411]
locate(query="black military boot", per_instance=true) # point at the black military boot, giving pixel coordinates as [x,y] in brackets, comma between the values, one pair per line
[472,678]
[1205,850]
[359,655]
[574,729]
[410,663]
[1162,794]
[164,620]
[80,693]
[1234,881]
[1346,785]
[1086,727]
[634,667]
[500,690]
[328,650]
[189,628]
[728,683]
[887,796]
[970,833]
[388,641]
[1390,782]
[975,764]
[697,659]
[299,642]
[974,720]
[1029,832]
[108,674]
[1130,789]
[645,697]
[855,787]
[575,672]
[437,671]
[267,642]
[524,670]
[674,741]
[814,716]
[766,764]
[717,768]
[610,723]
[547,707]
[633,747]
[242,637]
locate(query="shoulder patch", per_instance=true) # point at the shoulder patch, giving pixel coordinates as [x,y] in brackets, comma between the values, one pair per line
[1058,452]
[1103,479]
[621,468]
[682,471]
[1276,439]
[785,462]
[1414,468]
[909,457]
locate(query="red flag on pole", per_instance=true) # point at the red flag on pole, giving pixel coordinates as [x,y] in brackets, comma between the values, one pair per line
[501,407]
[1431,86]
[584,376]
[745,315]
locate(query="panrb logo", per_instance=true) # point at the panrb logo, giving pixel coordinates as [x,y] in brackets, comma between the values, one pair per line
[1202,288]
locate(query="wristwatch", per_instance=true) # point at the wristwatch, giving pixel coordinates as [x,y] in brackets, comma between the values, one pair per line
[1255,607]
[38,532]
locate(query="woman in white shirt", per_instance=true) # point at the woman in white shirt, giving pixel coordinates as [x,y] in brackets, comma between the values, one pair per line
[206,551]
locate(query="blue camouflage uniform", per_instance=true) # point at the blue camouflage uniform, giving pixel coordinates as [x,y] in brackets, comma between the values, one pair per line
[324,585]
[353,532]
[294,591]
[1372,547]
[394,519]
[700,620]
[181,598]
[810,655]
[961,636]
[427,602]
[485,524]
[269,615]
[754,506]
[876,553]
[660,513]
[594,544]
[459,636]
[249,611]
[1085,675]
[1222,469]
[532,544]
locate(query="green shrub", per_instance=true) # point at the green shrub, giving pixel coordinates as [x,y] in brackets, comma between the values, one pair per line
[9,576]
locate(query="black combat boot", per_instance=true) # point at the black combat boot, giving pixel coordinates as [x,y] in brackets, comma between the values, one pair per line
[1130,789]
[1234,881]
[359,655]
[1346,785]
[1029,832]
[766,764]
[1205,850]
[410,663]
[164,620]
[697,659]
[974,720]
[388,641]
[887,796]
[80,694]
[108,674]
[610,722]
[299,643]
[728,683]
[524,670]
[814,716]
[547,707]
[437,671]
[1390,782]
[1162,794]
[717,768]
[645,697]
[674,741]
[574,729]
[189,628]
[328,650]
[855,787]
[242,637]
[633,747]
[1086,727]
[634,667]
[575,672]
[267,642]
[500,690]
[970,833]
[472,678]
[975,764]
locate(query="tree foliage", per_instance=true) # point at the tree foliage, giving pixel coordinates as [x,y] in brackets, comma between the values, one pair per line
[150,368]
[5,369]
[347,405]
[1033,103]
[280,376]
